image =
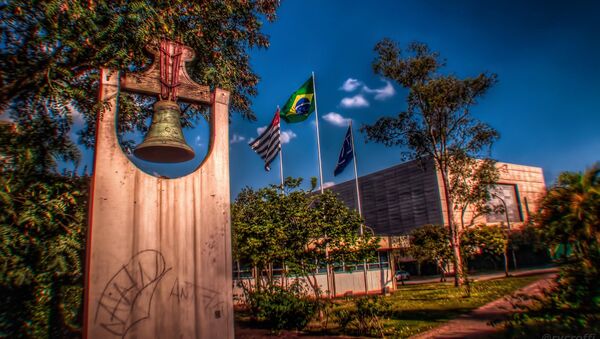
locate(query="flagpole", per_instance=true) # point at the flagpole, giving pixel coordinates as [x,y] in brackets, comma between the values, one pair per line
[356,177]
[281,167]
[280,154]
[358,203]
[328,267]
[318,138]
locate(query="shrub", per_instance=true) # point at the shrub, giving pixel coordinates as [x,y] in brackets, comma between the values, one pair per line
[571,306]
[278,308]
[363,317]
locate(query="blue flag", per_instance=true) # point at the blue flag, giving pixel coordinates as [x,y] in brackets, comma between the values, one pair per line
[346,153]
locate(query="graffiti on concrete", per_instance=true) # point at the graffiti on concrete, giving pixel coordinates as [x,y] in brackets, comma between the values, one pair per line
[127,297]
[212,300]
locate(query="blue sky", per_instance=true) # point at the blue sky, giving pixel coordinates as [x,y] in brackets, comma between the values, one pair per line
[545,106]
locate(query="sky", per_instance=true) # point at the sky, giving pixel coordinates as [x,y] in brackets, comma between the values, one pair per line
[545,105]
[546,55]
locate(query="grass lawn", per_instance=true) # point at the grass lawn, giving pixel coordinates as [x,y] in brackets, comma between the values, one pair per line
[417,308]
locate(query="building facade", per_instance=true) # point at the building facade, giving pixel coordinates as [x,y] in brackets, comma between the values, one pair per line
[400,198]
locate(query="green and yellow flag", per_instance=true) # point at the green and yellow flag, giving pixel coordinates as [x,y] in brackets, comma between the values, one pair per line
[300,104]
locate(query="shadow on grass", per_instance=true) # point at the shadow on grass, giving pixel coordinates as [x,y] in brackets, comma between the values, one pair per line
[429,314]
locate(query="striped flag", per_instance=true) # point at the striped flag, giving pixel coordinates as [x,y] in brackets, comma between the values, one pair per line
[267,145]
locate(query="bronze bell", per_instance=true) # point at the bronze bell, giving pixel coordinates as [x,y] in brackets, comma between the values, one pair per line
[164,141]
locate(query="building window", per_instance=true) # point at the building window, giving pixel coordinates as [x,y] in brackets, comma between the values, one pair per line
[508,194]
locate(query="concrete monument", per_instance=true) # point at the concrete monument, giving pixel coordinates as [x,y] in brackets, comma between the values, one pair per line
[159,250]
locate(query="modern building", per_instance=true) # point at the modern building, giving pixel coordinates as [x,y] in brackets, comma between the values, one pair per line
[401,198]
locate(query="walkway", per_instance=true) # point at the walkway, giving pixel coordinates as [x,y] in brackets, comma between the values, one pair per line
[475,324]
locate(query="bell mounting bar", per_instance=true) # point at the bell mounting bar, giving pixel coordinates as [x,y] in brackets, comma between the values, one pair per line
[149,82]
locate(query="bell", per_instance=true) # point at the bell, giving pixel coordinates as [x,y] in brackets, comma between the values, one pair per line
[164,141]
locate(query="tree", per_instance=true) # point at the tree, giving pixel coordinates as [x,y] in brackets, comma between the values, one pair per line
[484,240]
[570,212]
[52,51]
[430,243]
[437,123]
[42,235]
[299,228]
[335,237]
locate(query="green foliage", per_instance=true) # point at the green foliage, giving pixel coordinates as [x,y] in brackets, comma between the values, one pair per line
[52,51]
[484,240]
[437,124]
[437,121]
[414,308]
[529,238]
[364,316]
[42,238]
[281,308]
[298,228]
[571,306]
[429,243]
[470,183]
[570,214]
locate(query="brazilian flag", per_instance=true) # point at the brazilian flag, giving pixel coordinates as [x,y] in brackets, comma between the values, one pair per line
[300,104]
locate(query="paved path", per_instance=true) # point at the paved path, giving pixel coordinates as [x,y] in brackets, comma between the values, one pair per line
[475,324]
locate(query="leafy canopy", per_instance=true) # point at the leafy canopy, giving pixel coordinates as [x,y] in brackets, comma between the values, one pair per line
[484,240]
[570,212]
[430,243]
[437,122]
[296,228]
[41,236]
[52,50]
[471,182]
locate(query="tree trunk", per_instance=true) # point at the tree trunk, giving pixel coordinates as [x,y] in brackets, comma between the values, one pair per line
[333,292]
[454,234]
[393,267]
[506,259]
[440,265]
[256,273]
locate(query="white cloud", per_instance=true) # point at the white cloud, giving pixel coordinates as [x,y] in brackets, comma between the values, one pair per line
[336,119]
[356,101]
[328,184]
[287,136]
[350,85]
[236,138]
[382,93]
